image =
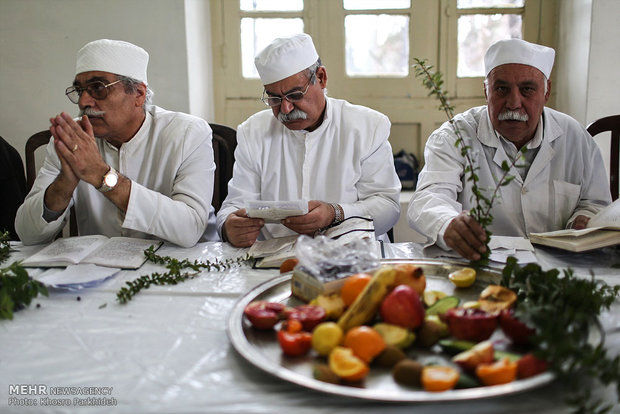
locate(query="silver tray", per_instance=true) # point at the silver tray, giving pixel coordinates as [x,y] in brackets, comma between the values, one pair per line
[261,348]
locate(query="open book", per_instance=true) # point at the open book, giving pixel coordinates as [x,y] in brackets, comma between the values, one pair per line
[603,230]
[119,252]
[271,253]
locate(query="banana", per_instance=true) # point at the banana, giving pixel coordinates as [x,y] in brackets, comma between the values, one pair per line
[368,301]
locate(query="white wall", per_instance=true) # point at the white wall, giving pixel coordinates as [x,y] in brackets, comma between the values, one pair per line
[39,40]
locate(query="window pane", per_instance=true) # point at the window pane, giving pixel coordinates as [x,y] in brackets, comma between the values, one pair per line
[375,4]
[256,34]
[476,33]
[272,5]
[468,4]
[377,45]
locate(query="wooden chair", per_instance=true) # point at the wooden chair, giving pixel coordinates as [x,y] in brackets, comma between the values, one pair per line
[610,124]
[224,144]
[35,141]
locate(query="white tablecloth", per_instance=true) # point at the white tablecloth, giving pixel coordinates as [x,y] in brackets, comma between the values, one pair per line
[167,349]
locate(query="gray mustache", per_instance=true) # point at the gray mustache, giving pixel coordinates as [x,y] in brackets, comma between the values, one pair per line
[513,116]
[294,115]
[90,112]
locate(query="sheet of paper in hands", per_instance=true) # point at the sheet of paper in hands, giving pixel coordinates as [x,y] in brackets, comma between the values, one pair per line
[274,211]
[119,252]
[603,230]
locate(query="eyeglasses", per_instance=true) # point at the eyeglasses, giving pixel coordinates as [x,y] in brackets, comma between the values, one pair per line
[98,90]
[291,97]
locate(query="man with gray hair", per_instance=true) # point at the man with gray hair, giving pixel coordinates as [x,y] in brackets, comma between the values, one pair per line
[560,183]
[130,168]
[308,147]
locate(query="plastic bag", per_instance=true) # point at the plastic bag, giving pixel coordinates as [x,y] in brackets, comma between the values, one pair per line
[327,259]
[407,166]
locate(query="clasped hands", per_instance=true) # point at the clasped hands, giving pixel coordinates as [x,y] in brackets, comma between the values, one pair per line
[242,231]
[467,237]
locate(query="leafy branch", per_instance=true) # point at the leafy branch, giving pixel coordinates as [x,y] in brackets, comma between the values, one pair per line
[563,310]
[175,273]
[16,288]
[481,211]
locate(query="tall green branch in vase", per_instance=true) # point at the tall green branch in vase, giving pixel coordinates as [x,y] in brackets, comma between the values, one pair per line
[483,203]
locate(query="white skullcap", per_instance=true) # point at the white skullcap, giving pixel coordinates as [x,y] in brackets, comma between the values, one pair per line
[519,51]
[113,56]
[285,56]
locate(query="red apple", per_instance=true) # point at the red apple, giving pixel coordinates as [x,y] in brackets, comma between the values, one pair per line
[403,307]
[529,365]
[470,324]
[514,329]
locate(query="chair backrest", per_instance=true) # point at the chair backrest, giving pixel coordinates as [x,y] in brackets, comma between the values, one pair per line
[611,124]
[12,187]
[35,141]
[224,144]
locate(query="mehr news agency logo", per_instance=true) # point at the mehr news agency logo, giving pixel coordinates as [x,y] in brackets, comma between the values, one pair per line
[42,395]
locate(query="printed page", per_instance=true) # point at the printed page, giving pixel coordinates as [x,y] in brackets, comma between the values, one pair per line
[274,211]
[65,251]
[262,248]
[352,228]
[608,217]
[122,252]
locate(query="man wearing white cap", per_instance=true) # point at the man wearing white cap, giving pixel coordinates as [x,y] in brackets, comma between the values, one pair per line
[308,147]
[130,168]
[561,183]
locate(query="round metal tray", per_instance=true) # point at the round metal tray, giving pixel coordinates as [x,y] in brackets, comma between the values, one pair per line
[261,348]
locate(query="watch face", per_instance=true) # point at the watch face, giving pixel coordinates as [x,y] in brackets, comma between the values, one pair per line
[111,180]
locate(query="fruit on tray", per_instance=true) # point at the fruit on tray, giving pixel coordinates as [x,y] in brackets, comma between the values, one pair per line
[442,305]
[432,330]
[288,265]
[309,315]
[293,340]
[408,372]
[333,305]
[367,303]
[395,335]
[410,275]
[263,314]
[464,277]
[496,373]
[353,286]
[346,365]
[439,378]
[326,336]
[365,342]
[514,329]
[470,324]
[495,298]
[403,307]
[481,353]
[528,366]
[390,356]
[429,297]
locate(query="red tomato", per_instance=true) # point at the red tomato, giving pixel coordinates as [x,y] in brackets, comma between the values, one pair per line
[294,341]
[309,315]
[263,314]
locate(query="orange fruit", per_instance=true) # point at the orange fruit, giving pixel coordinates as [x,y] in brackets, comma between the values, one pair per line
[365,342]
[353,286]
[439,378]
[499,372]
[346,365]
[288,265]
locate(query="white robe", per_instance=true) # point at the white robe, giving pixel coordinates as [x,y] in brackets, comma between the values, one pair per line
[170,163]
[346,160]
[566,179]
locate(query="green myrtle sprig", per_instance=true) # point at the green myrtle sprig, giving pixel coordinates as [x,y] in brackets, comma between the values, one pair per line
[16,289]
[175,273]
[564,309]
[481,211]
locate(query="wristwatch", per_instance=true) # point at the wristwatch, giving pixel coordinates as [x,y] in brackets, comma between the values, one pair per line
[110,179]
[338,213]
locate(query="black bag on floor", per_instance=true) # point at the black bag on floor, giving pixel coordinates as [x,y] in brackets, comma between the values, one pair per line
[406,165]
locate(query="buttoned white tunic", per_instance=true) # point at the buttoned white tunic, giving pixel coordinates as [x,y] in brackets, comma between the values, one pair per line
[346,160]
[170,163]
[566,178]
